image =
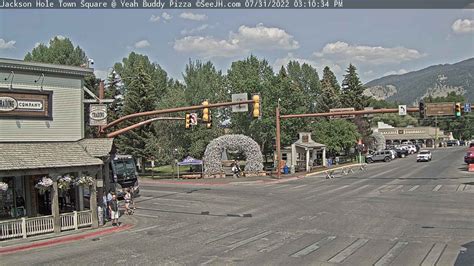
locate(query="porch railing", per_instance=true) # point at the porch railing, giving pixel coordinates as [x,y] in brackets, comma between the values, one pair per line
[26,227]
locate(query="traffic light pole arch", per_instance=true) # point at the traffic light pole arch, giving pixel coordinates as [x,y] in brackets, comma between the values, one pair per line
[279,117]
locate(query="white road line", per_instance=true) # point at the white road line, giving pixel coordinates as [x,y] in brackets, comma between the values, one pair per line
[341,256]
[325,192]
[382,173]
[282,186]
[391,254]
[298,186]
[146,215]
[222,236]
[461,187]
[414,188]
[146,228]
[381,187]
[159,191]
[171,205]
[434,254]
[437,188]
[248,240]
[396,188]
[315,246]
[281,242]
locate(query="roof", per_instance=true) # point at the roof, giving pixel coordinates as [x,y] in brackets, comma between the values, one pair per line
[310,145]
[15,64]
[99,147]
[406,136]
[41,155]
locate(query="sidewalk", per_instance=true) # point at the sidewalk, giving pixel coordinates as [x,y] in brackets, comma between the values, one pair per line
[250,179]
[21,244]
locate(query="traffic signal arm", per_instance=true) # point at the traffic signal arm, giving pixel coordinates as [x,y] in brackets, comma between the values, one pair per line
[361,112]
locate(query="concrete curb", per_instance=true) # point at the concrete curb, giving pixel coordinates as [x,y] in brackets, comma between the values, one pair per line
[65,239]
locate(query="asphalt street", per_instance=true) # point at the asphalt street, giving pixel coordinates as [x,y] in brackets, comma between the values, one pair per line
[397,213]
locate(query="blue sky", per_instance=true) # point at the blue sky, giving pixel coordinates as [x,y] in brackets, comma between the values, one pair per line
[378,42]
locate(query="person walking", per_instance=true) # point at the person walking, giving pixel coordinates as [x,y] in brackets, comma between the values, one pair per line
[114,210]
[128,200]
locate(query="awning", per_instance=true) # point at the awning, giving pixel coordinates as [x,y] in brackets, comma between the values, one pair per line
[190,161]
[44,155]
[406,136]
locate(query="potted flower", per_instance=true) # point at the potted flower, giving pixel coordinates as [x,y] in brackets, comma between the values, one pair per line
[44,184]
[64,182]
[3,186]
[84,181]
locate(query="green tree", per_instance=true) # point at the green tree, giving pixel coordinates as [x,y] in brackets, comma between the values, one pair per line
[353,90]
[114,90]
[395,120]
[59,51]
[307,79]
[330,92]
[338,135]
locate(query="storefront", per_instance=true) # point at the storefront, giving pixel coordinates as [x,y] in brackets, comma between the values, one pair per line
[47,168]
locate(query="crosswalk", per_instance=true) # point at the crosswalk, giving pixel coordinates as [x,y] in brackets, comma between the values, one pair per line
[294,248]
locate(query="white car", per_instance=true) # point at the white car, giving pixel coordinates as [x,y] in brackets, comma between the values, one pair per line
[411,148]
[424,156]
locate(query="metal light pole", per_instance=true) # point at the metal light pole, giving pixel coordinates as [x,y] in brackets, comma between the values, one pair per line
[277,111]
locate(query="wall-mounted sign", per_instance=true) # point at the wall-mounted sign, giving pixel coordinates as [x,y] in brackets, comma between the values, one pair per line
[26,104]
[98,115]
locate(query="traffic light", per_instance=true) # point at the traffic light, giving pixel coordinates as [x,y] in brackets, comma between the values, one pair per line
[257,111]
[187,124]
[457,109]
[205,112]
[209,121]
[421,107]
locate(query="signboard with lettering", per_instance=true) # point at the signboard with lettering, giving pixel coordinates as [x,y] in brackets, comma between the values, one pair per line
[98,115]
[26,104]
[238,97]
[439,109]
[336,110]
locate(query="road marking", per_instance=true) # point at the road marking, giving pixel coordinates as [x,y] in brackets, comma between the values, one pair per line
[298,186]
[434,254]
[219,237]
[248,240]
[461,187]
[145,215]
[146,228]
[326,192]
[437,188]
[414,188]
[382,173]
[341,256]
[381,187]
[280,243]
[170,205]
[282,186]
[396,188]
[315,246]
[391,254]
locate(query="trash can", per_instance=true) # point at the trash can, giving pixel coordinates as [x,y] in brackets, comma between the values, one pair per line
[286,170]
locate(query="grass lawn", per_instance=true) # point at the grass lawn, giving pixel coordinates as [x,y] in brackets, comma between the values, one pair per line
[167,169]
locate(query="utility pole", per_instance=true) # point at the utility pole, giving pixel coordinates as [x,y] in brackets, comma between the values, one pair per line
[277,111]
[436,132]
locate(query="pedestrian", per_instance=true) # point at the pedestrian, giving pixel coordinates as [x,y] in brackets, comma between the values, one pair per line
[114,210]
[105,208]
[109,198]
[235,169]
[128,200]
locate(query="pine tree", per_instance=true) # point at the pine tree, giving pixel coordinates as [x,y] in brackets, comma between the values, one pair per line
[353,90]
[114,91]
[330,92]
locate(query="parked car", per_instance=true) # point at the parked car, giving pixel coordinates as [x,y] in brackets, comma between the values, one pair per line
[451,143]
[402,153]
[471,144]
[385,156]
[469,157]
[394,153]
[424,156]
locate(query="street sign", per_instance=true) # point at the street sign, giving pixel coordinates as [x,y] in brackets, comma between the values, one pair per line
[439,109]
[238,97]
[98,115]
[402,110]
[193,118]
[467,108]
[336,110]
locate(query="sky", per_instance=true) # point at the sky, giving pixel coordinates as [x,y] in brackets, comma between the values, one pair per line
[377,42]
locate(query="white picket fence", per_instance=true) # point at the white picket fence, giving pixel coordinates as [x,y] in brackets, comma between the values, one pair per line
[25,227]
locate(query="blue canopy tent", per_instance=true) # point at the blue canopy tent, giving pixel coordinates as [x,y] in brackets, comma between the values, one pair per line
[189,161]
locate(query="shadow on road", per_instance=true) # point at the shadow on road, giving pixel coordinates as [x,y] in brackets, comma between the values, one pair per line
[466,256]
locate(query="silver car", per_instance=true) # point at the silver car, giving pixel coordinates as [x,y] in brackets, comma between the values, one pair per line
[385,156]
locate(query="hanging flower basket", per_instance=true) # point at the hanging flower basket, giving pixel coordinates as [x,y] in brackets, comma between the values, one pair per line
[44,184]
[64,182]
[84,181]
[3,186]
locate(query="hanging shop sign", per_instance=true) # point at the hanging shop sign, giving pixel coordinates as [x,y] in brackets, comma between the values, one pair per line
[98,115]
[26,104]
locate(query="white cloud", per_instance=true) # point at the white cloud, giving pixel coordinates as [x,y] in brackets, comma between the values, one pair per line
[166,16]
[375,55]
[195,30]
[102,74]
[319,64]
[207,46]
[463,26]
[154,18]
[60,37]
[7,45]
[142,44]
[193,16]
[399,72]
[246,39]
[261,36]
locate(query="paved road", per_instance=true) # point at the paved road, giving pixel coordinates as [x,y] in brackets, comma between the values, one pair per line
[398,213]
